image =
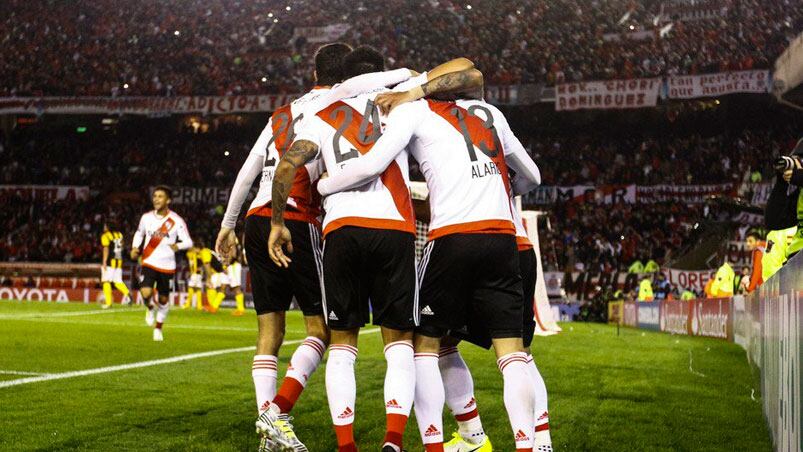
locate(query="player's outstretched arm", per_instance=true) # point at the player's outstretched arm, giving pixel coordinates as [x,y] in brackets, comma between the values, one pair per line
[356,172]
[299,154]
[463,81]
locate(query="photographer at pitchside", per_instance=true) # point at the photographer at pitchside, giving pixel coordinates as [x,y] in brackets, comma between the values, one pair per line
[784,213]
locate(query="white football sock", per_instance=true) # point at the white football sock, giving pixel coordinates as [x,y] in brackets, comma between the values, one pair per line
[429,398]
[161,313]
[542,436]
[399,390]
[303,363]
[459,387]
[263,371]
[519,397]
[306,359]
[341,385]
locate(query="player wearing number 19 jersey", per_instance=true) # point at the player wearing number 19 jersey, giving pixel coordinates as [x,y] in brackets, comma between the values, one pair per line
[469,271]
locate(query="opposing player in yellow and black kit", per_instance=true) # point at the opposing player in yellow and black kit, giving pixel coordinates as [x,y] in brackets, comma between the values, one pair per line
[195,284]
[111,270]
[234,271]
[214,279]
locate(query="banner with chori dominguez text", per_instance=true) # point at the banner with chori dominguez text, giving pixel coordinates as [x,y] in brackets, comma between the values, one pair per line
[607,95]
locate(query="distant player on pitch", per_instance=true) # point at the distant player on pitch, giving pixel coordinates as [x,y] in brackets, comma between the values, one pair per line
[163,233]
[112,265]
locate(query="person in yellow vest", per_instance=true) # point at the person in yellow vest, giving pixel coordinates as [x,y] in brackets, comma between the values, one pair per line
[652,267]
[709,286]
[785,205]
[723,281]
[687,295]
[645,290]
[636,267]
[195,284]
[111,270]
[775,254]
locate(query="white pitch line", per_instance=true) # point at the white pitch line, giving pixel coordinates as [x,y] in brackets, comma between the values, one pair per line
[169,326]
[19,372]
[699,374]
[64,314]
[137,365]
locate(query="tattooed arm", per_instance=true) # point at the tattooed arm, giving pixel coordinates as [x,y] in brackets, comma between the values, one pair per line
[299,154]
[453,82]
[462,82]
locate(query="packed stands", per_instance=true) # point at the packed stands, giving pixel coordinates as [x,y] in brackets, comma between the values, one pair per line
[216,47]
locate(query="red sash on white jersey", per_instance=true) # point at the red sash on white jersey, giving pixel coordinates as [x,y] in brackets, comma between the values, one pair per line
[156,238]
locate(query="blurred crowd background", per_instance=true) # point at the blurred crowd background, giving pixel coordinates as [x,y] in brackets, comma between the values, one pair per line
[173,47]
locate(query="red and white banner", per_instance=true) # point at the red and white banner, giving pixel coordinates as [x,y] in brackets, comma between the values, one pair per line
[712,85]
[214,105]
[688,279]
[711,318]
[45,192]
[607,95]
[328,33]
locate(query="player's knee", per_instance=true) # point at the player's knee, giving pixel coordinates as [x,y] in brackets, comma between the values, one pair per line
[316,327]
[390,335]
[346,337]
[270,341]
[425,342]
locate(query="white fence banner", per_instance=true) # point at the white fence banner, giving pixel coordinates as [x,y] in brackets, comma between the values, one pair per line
[712,85]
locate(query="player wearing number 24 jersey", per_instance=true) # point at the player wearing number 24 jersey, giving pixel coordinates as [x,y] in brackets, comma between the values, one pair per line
[469,270]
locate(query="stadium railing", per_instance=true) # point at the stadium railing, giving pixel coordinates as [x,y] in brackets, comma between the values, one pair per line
[766,323]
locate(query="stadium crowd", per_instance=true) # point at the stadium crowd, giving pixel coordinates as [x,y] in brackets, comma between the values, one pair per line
[171,47]
[580,234]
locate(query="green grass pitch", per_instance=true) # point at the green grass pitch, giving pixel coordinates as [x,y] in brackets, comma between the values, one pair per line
[632,392]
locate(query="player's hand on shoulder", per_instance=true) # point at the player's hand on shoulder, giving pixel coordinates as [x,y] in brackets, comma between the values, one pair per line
[388,101]
[278,238]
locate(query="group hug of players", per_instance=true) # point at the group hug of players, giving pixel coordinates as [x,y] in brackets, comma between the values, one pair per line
[332,226]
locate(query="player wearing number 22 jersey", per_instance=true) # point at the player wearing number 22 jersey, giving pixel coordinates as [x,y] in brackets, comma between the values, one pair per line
[470,270]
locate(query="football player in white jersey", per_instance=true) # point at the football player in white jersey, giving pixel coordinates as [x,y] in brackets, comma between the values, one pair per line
[163,233]
[275,287]
[369,253]
[470,271]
